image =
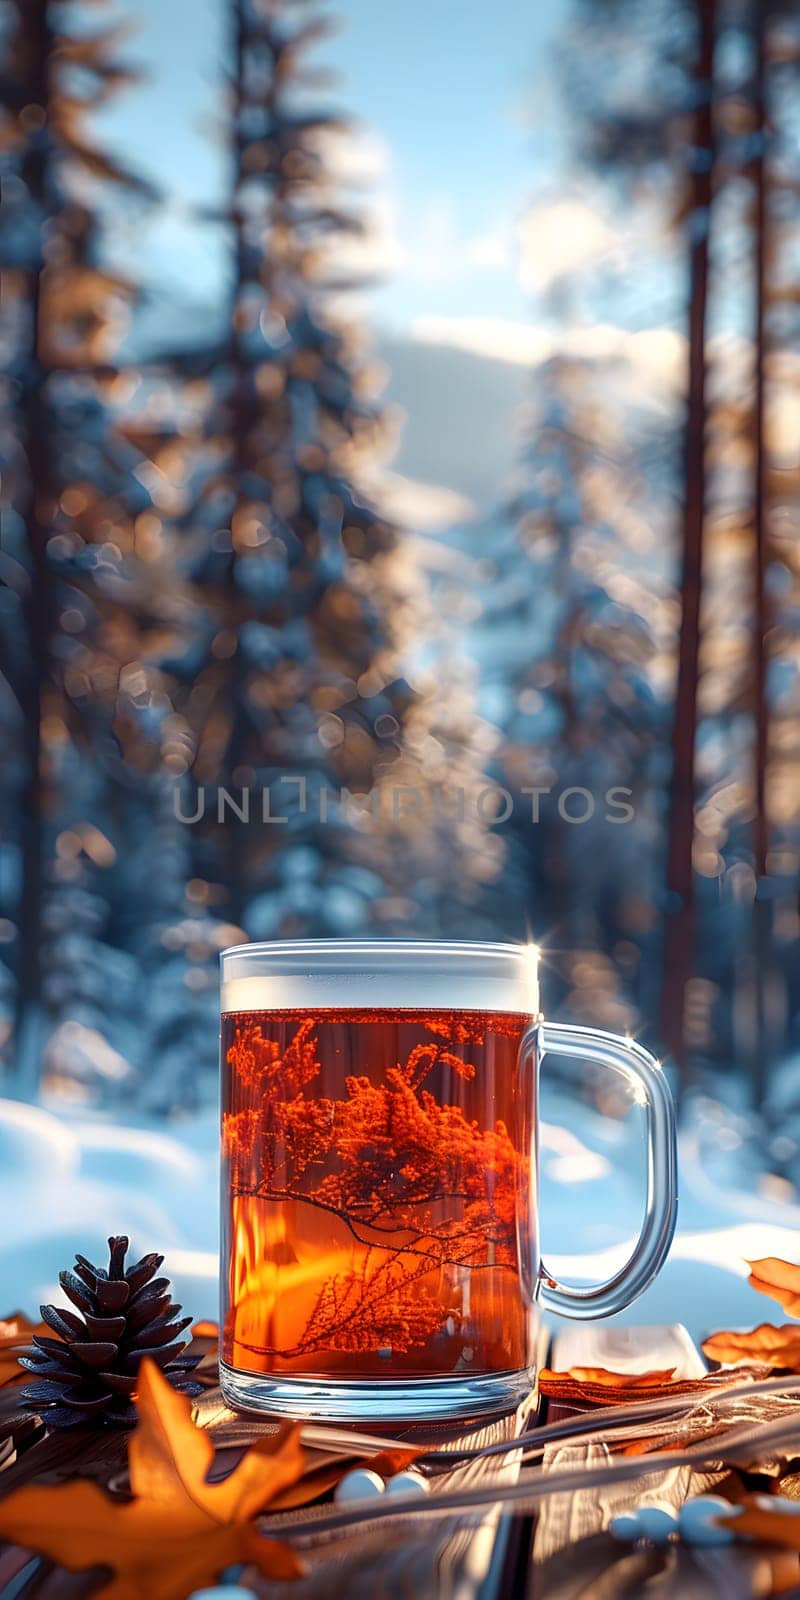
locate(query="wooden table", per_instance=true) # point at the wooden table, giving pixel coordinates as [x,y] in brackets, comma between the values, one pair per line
[563,1552]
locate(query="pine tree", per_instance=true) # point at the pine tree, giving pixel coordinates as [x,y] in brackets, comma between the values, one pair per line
[179,934]
[586,712]
[289,564]
[670,123]
[69,473]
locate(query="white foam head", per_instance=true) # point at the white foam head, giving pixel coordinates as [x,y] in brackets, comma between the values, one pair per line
[402,974]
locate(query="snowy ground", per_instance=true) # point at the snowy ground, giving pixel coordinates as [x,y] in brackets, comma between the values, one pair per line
[67,1181]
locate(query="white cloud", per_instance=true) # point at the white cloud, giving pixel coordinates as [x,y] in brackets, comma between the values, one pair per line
[426,244]
[561,238]
[375,252]
[432,249]
[658,354]
[359,160]
[499,338]
[433,252]
[434,255]
[427,247]
[355,155]
[493,250]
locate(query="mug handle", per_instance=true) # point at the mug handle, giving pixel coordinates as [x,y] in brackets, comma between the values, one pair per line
[644,1073]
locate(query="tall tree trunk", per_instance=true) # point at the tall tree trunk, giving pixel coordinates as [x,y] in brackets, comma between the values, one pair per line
[680,913]
[234,852]
[761,909]
[34,508]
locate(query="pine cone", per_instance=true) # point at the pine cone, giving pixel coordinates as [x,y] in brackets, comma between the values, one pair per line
[88,1372]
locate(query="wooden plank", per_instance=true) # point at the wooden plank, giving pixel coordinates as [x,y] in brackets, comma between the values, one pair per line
[472,1556]
[599,1569]
[415,1558]
[573,1554]
[460,1556]
[466,1552]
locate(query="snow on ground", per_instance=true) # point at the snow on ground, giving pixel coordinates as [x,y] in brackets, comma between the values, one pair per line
[68,1180]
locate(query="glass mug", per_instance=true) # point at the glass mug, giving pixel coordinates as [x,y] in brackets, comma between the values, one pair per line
[379,1196]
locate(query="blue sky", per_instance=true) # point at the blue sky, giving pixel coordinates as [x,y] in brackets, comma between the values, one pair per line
[490,241]
[459,121]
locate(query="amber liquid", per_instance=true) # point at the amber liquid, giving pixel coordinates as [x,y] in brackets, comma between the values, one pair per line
[371,1172]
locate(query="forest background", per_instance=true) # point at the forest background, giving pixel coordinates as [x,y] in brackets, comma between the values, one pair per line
[405,411]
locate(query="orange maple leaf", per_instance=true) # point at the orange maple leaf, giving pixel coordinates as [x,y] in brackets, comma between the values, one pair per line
[179,1532]
[16,1333]
[602,1377]
[778,1279]
[766,1345]
[599,1386]
[771,1346]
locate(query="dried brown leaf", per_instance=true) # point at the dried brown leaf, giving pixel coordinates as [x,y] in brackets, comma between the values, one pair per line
[598,1386]
[179,1532]
[778,1348]
[778,1279]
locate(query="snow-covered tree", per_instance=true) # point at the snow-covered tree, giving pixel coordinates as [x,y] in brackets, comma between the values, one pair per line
[586,712]
[70,490]
[293,684]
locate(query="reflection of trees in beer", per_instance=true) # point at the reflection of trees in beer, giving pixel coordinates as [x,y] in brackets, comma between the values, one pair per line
[381,1302]
[418,1185]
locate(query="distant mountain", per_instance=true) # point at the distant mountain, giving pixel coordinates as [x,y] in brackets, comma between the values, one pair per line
[458,428]
[460,409]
